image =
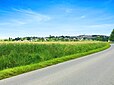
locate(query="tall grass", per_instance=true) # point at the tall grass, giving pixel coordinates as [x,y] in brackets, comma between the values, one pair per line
[18,54]
[28,54]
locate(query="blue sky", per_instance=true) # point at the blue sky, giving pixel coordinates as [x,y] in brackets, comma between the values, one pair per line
[19,18]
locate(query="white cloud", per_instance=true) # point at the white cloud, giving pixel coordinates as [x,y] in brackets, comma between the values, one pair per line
[32,15]
[4,23]
[83,16]
[21,17]
[68,10]
[18,22]
[12,22]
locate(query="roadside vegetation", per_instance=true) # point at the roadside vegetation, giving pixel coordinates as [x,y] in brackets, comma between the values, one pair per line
[20,57]
[111,38]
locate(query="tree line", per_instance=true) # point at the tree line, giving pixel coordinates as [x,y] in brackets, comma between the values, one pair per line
[62,38]
[66,38]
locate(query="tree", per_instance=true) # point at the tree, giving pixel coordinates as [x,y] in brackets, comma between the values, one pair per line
[10,39]
[111,38]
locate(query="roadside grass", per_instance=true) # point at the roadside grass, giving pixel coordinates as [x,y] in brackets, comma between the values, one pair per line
[42,55]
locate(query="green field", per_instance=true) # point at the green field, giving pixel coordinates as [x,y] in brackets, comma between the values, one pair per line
[21,57]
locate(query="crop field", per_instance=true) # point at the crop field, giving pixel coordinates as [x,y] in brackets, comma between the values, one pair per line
[21,57]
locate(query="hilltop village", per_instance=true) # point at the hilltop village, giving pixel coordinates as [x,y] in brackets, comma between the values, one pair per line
[62,38]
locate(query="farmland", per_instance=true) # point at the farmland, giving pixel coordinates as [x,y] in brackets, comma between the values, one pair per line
[21,57]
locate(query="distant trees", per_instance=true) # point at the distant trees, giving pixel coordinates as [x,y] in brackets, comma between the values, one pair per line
[63,38]
[111,38]
[102,38]
[10,39]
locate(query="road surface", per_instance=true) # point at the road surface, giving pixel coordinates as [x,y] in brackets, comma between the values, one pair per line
[94,69]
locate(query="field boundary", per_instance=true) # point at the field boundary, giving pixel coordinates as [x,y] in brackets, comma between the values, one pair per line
[23,69]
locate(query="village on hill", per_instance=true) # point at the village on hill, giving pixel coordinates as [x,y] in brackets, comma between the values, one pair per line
[62,38]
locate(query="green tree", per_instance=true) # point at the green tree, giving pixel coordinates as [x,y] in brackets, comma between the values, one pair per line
[112,36]
[10,39]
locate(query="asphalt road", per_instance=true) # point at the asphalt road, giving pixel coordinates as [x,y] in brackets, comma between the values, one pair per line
[95,69]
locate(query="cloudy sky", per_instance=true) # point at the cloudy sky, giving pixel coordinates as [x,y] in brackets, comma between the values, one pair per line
[20,18]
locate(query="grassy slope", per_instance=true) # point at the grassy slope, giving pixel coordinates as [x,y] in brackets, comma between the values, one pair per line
[22,69]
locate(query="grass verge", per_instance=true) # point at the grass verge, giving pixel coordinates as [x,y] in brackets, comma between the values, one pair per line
[23,69]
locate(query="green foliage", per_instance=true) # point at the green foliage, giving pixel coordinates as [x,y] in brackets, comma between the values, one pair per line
[16,54]
[112,36]
[17,58]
